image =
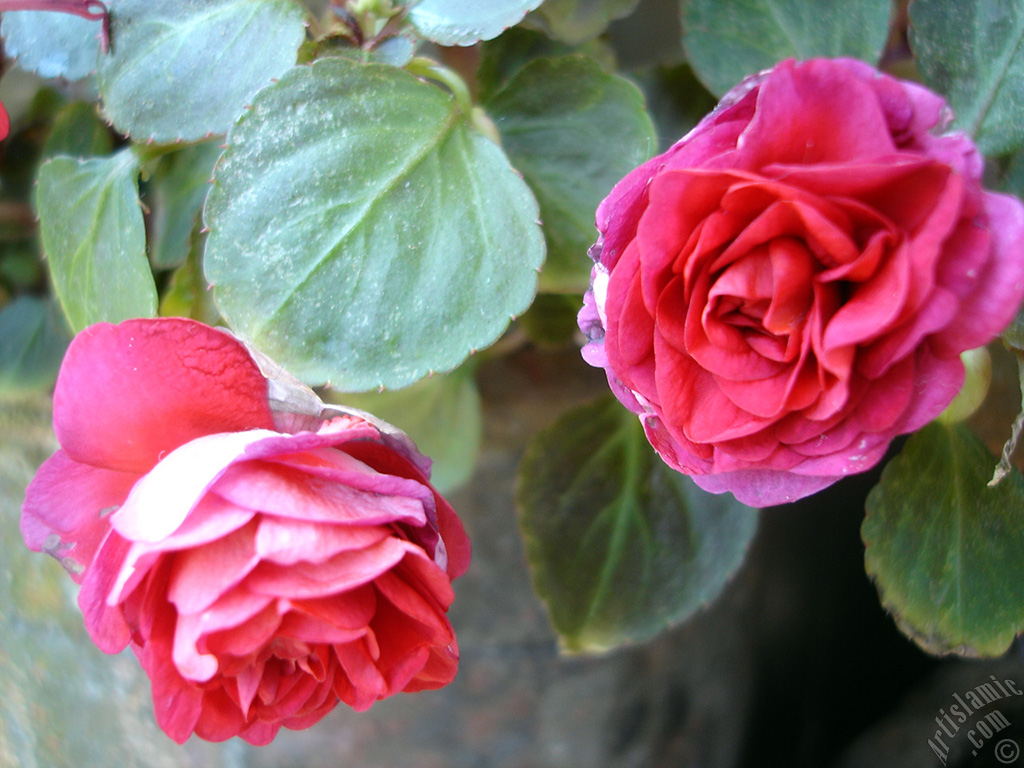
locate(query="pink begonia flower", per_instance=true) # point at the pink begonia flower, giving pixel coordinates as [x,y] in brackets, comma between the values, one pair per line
[265,557]
[790,286]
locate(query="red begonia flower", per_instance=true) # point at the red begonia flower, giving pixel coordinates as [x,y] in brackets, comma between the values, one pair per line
[790,286]
[262,564]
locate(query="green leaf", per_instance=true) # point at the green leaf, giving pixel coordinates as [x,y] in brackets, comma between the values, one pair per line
[464,22]
[362,234]
[442,414]
[726,40]
[1010,176]
[21,269]
[573,131]
[186,293]
[620,546]
[676,101]
[175,194]
[51,44]
[972,53]
[551,320]
[502,57]
[945,549]
[33,337]
[576,21]
[94,238]
[180,70]
[78,132]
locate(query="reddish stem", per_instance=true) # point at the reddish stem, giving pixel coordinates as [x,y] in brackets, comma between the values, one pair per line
[87,9]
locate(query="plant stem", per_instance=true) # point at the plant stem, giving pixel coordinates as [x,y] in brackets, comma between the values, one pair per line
[431,69]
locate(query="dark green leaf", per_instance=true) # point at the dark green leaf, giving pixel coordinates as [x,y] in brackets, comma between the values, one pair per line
[972,53]
[78,132]
[726,40]
[362,233]
[551,320]
[33,337]
[502,57]
[652,35]
[180,70]
[175,194]
[573,131]
[21,269]
[945,549]
[676,101]
[1010,174]
[1013,335]
[576,21]
[620,546]
[51,44]
[464,22]
[94,238]
[186,293]
[441,414]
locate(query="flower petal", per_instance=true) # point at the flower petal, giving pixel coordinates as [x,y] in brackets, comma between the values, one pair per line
[66,510]
[284,491]
[339,574]
[126,394]
[162,500]
[200,575]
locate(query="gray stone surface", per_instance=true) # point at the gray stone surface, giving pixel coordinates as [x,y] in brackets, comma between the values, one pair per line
[681,700]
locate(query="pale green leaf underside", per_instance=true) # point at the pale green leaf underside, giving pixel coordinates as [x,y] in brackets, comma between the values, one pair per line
[464,22]
[973,54]
[945,550]
[573,131]
[184,69]
[726,40]
[442,414]
[94,238]
[620,546]
[362,233]
[51,44]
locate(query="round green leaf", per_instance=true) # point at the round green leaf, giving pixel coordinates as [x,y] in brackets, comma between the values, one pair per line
[726,40]
[94,238]
[51,44]
[573,131]
[442,414]
[362,234]
[180,70]
[945,549]
[620,546]
[972,53]
[576,21]
[464,22]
